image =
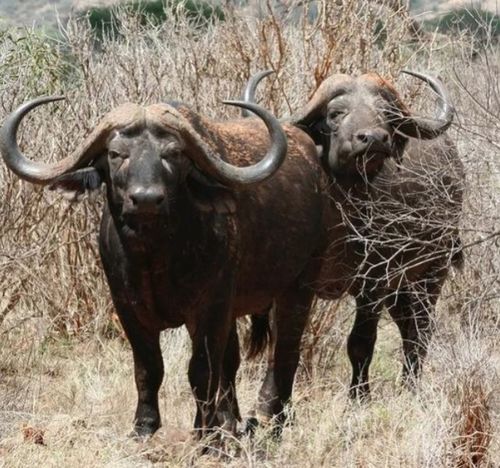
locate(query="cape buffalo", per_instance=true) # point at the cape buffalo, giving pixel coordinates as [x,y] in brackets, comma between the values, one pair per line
[398,181]
[187,237]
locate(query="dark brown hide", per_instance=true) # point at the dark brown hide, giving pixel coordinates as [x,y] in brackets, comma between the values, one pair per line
[400,200]
[178,247]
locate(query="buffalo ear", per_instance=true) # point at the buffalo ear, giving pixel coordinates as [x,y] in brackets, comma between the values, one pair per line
[76,183]
[321,135]
[316,130]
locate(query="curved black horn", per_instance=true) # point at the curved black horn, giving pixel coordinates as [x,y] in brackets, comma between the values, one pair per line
[426,128]
[234,176]
[17,162]
[90,148]
[251,87]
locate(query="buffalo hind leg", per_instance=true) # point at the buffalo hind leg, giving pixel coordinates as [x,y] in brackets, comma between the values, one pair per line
[227,406]
[209,341]
[289,320]
[412,313]
[361,343]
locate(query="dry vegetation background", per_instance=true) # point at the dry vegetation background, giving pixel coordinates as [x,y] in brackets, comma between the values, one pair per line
[66,381]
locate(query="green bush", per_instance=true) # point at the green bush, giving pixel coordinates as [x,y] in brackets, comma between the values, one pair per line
[104,21]
[478,23]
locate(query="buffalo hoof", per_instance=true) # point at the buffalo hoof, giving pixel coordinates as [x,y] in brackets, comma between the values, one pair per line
[214,442]
[274,425]
[360,393]
[144,430]
[249,426]
[229,423]
[409,381]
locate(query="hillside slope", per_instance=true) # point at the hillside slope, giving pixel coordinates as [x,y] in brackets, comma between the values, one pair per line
[41,11]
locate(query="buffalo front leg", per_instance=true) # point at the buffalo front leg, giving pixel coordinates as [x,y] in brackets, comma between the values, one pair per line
[289,319]
[148,371]
[361,343]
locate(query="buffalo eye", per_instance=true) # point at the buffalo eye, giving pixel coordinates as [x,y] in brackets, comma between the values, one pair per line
[172,150]
[171,153]
[170,156]
[335,114]
[117,155]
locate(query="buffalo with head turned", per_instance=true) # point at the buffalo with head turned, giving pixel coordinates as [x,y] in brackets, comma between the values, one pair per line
[189,236]
[398,181]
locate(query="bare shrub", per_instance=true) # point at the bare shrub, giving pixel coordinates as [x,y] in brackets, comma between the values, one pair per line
[52,285]
[145,63]
[474,426]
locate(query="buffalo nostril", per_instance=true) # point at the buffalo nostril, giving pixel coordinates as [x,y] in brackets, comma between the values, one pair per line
[363,137]
[135,198]
[158,199]
[147,198]
[372,136]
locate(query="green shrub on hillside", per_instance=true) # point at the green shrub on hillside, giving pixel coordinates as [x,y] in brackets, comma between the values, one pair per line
[104,21]
[480,24]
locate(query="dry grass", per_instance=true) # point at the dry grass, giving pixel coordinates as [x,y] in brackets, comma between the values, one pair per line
[66,382]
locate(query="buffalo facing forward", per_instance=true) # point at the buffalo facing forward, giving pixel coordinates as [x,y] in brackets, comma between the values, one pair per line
[189,237]
[399,183]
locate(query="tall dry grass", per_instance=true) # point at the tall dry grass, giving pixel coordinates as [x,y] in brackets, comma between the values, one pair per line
[66,380]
